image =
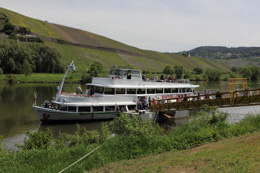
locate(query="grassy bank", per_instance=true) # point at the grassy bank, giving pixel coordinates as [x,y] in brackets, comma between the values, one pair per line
[135,139]
[42,78]
[237,154]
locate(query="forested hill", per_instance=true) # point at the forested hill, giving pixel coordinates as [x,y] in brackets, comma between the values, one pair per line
[85,47]
[225,52]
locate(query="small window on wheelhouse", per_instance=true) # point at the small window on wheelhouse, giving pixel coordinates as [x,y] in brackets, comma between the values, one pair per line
[109,108]
[109,90]
[141,91]
[159,90]
[84,109]
[97,108]
[167,90]
[130,91]
[120,90]
[99,90]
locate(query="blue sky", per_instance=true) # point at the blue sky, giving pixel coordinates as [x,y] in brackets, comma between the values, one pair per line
[160,25]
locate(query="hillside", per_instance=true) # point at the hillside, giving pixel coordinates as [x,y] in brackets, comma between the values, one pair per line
[85,47]
[238,57]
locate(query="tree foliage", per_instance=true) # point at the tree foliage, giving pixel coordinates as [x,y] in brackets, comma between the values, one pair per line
[197,70]
[178,69]
[25,58]
[213,75]
[168,70]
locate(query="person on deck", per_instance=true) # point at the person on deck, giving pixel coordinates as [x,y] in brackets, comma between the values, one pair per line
[79,90]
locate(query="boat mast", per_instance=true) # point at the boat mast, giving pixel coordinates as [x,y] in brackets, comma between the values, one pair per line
[70,67]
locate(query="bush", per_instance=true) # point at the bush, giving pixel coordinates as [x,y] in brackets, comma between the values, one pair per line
[133,126]
[11,79]
[38,140]
[1,71]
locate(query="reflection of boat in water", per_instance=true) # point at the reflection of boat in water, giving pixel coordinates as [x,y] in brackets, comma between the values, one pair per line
[105,98]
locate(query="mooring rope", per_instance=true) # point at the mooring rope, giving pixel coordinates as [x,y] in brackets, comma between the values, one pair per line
[79,159]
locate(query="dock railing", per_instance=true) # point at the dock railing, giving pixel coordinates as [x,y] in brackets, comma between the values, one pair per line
[226,99]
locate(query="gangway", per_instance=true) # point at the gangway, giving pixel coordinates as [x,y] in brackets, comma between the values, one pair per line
[227,99]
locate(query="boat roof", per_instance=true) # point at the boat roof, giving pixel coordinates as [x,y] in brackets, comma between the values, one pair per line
[118,83]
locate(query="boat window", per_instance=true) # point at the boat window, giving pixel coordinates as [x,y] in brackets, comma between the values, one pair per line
[141,91]
[167,90]
[187,90]
[97,108]
[99,90]
[109,90]
[84,109]
[150,91]
[110,108]
[130,91]
[131,107]
[135,73]
[72,108]
[63,108]
[159,90]
[174,90]
[113,72]
[120,90]
[116,72]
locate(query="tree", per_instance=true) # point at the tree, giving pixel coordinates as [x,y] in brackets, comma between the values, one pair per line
[197,70]
[26,68]
[99,66]
[235,69]
[246,72]
[187,75]
[168,70]
[213,74]
[178,71]
[255,72]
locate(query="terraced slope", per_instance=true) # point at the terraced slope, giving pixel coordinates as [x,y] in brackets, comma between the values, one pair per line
[112,52]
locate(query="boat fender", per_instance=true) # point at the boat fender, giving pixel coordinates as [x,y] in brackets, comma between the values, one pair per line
[117,77]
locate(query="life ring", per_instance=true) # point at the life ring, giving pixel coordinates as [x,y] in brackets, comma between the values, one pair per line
[117,77]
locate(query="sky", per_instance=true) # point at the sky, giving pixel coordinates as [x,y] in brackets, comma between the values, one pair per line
[159,25]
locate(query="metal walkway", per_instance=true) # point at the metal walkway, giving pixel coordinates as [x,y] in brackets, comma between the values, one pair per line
[227,99]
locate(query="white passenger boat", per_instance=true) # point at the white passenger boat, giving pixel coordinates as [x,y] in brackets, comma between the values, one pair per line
[105,98]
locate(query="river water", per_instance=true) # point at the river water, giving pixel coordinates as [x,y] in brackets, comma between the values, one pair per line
[17,116]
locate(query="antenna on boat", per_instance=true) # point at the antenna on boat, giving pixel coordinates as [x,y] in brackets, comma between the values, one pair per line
[72,68]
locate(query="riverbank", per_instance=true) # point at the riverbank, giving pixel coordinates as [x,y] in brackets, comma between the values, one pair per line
[135,139]
[42,78]
[236,154]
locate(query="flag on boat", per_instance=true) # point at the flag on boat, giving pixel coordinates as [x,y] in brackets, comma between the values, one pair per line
[72,67]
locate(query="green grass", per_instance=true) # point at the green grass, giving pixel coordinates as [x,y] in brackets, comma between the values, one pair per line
[43,78]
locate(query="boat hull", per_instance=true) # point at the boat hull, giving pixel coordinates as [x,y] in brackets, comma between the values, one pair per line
[48,115]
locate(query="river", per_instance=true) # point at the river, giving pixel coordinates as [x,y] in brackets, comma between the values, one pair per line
[17,116]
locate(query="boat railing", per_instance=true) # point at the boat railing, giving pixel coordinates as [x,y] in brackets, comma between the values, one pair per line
[169,81]
[73,94]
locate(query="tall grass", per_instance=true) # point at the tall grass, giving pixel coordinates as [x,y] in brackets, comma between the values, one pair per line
[133,139]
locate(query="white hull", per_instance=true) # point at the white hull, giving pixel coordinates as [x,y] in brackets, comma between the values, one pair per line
[47,115]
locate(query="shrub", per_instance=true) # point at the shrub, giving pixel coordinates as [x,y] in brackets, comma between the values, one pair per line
[11,79]
[125,125]
[38,140]
[1,71]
